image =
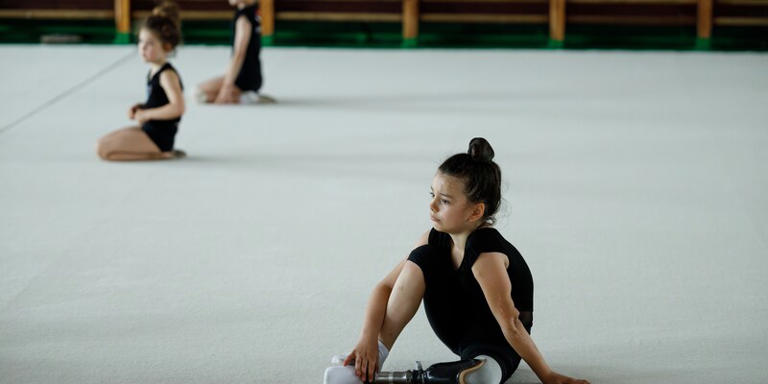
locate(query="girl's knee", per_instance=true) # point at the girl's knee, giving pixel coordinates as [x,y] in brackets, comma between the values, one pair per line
[341,375]
[106,144]
[102,149]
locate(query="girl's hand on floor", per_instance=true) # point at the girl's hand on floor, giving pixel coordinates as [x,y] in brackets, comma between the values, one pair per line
[556,378]
[229,94]
[365,356]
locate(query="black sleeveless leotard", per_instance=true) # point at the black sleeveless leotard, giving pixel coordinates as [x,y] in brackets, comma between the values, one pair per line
[455,304]
[249,78]
[162,132]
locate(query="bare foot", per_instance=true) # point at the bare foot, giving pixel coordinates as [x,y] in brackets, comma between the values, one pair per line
[172,154]
[264,99]
[178,154]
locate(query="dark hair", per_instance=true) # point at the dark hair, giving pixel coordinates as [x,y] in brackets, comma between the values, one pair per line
[482,177]
[164,23]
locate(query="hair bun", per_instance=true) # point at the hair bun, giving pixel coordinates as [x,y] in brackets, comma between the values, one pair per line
[480,149]
[167,9]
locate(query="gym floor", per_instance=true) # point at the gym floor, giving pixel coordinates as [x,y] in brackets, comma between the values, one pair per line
[635,185]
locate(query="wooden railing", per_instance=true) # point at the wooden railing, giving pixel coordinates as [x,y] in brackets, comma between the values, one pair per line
[557,14]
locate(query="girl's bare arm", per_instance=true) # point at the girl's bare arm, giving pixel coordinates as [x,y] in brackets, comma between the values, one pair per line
[243,32]
[365,354]
[377,304]
[170,83]
[490,272]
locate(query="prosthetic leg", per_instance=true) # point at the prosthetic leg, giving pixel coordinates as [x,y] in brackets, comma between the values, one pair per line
[440,373]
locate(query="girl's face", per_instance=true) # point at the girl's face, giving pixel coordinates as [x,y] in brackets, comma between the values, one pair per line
[150,47]
[450,210]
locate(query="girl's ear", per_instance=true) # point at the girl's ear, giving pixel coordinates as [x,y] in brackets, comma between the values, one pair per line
[477,212]
[167,47]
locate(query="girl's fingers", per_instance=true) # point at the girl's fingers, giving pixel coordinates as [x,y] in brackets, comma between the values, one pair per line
[357,366]
[348,359]
[371,369]
[364,372]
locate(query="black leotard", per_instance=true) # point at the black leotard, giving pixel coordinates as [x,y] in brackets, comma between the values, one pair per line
[249,78]
[162,132]
[455,304]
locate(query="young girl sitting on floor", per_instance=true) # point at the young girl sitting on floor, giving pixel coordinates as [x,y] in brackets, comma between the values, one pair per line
[242,80]
[477,288]
[159,116]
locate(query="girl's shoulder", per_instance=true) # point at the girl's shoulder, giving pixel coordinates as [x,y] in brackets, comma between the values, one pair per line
[169,74]
[439,239]
[486,232]
[169,67]
[488,239]
[250,11]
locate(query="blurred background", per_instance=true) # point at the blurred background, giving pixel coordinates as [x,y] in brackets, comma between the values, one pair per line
[635,24]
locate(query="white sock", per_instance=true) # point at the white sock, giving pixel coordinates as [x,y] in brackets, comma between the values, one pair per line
[201,96]
[338,374]
[489,373]
[249,97]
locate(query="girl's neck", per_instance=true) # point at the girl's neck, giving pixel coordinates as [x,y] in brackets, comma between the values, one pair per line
[155,66]
[460,239]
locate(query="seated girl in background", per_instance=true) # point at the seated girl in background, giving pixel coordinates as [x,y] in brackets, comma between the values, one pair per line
[242,80]
[159,116]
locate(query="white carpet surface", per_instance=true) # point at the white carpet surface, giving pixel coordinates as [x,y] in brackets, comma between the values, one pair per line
[635,185]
